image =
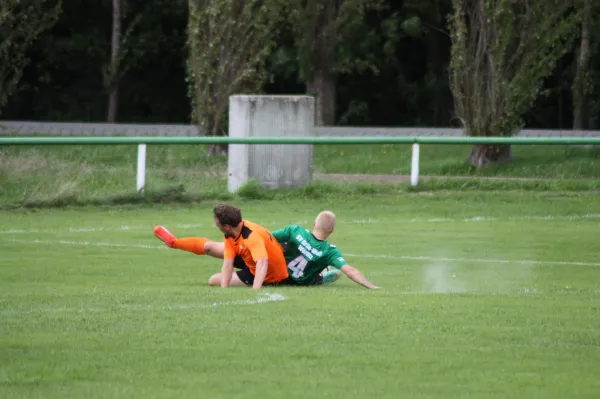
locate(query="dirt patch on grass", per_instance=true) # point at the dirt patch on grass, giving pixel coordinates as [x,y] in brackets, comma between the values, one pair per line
[400,179]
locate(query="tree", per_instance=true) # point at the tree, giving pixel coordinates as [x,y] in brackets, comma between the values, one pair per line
[68,76]
[583,86]
[120,46]
[229,42]
[21,21]
[501,52]
[113,96]
[425,23]
[321,31]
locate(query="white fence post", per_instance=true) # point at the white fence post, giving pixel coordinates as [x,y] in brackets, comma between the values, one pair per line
[141,168]
[414,171]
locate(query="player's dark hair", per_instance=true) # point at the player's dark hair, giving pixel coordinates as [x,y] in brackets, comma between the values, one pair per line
[227,214]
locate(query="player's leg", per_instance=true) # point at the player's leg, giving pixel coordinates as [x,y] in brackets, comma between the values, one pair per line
[196,245]
[215,280]
[214,249]
[326,277]
[240,278]
[329,276]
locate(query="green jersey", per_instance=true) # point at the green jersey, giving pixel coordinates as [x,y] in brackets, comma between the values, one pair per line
[305,255]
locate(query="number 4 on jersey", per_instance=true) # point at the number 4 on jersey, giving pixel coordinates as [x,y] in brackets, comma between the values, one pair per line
[297,266]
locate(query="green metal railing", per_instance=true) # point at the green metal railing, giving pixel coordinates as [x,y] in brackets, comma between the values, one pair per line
[73,140]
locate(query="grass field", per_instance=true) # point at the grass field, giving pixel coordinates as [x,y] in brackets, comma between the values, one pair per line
[70,174]
[486,295]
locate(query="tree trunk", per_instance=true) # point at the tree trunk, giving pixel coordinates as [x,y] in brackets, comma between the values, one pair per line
[561,109]
[436,62]
[217,149]
[113,96]
[322,83]
[484,154]
[581,96]
[593,122]
[323,86]
[113,102]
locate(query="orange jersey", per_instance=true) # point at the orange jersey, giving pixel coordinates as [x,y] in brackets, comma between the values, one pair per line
[254,243]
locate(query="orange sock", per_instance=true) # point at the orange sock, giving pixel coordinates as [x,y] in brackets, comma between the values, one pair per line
[191,244]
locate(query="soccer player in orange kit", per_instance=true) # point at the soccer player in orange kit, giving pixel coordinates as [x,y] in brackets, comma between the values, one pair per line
[247,246]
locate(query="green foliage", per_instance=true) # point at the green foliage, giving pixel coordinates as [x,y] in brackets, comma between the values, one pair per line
[501,52]
[584,85]
[253,190]
[332,35]
[21,22]
[391,66]
[412,26]
[407,85]
[229,42]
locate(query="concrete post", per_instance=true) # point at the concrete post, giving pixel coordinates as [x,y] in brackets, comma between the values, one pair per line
[273,165]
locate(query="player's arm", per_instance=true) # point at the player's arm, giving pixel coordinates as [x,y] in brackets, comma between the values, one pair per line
[262,266]
[257,249]
[356,276]
[229,253]
[337,260]
[226,272]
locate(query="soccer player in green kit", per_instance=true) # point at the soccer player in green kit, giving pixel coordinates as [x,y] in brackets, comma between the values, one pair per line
[308,254]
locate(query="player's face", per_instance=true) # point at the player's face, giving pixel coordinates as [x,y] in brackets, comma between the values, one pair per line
[225,229]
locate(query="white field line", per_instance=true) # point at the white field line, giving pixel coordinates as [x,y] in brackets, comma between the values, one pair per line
[476,219]
[140,308]
[86,243]
[371,256]
[477,260]
[92,229]
[308,222]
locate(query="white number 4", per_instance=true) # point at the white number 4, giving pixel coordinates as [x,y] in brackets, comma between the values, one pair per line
[297,266]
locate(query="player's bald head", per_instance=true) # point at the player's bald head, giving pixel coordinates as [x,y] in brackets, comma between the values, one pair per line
[325,222]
